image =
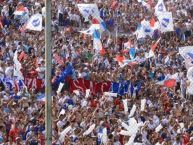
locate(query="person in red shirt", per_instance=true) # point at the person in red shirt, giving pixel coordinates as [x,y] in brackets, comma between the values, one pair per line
[41,138]
[186,138]
[14,133]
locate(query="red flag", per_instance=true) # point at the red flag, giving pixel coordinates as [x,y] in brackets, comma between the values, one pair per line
[120,58]
[171,83]
[102,52]
[82,85]
[154,46]
[152,22]
[95,21]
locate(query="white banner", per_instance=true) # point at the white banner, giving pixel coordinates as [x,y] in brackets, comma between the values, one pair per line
[160,8]
[35,23]
[186,52]
[88,9]
[166,22]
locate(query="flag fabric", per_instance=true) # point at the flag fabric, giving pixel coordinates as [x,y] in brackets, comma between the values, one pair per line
[34,83]
[188,63]
[120,58]
[145,4]
[97,44]
[152,22]
[154,46]
[170,83]
[98,22]
[88,10]
[102,51]
[82,85]
[96,34]
[144,29]
[91,30]
[132,53]
[21,10]
[186,52]
[190,54]
[190,74]
[35,23]
[139,32]
[119,88]
[69,71]
[166,22]
[160,8]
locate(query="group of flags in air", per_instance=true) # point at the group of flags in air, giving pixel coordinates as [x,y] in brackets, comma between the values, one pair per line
[91,13]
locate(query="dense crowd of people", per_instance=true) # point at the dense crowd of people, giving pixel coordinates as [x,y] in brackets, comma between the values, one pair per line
[95,117]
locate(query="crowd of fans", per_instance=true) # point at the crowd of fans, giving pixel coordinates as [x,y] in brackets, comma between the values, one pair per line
[22,112]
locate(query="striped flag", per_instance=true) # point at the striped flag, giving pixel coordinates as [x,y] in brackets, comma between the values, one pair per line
[21,10]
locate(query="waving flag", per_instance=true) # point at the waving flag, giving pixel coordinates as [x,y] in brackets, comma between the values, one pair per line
[120,58]
[171,83]
[21,10]
[132,53]
[166,22]
[35,23]
[154,46]
[98,22]
[88,10]
[144,29]
[96,34]
[160,8]
[97,44]
[139,32]
[186,52]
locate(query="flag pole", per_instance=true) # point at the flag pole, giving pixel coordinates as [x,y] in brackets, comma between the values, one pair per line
[48,60]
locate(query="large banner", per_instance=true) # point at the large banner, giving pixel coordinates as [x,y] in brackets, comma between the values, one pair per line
[89,10]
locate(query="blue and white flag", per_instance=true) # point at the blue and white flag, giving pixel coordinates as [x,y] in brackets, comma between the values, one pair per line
[132,53]
[89,10]
[186,52]
[144,29]
[92,29]
[35,23]
[160,8]
[97,44]
[166,22]
[147,30]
